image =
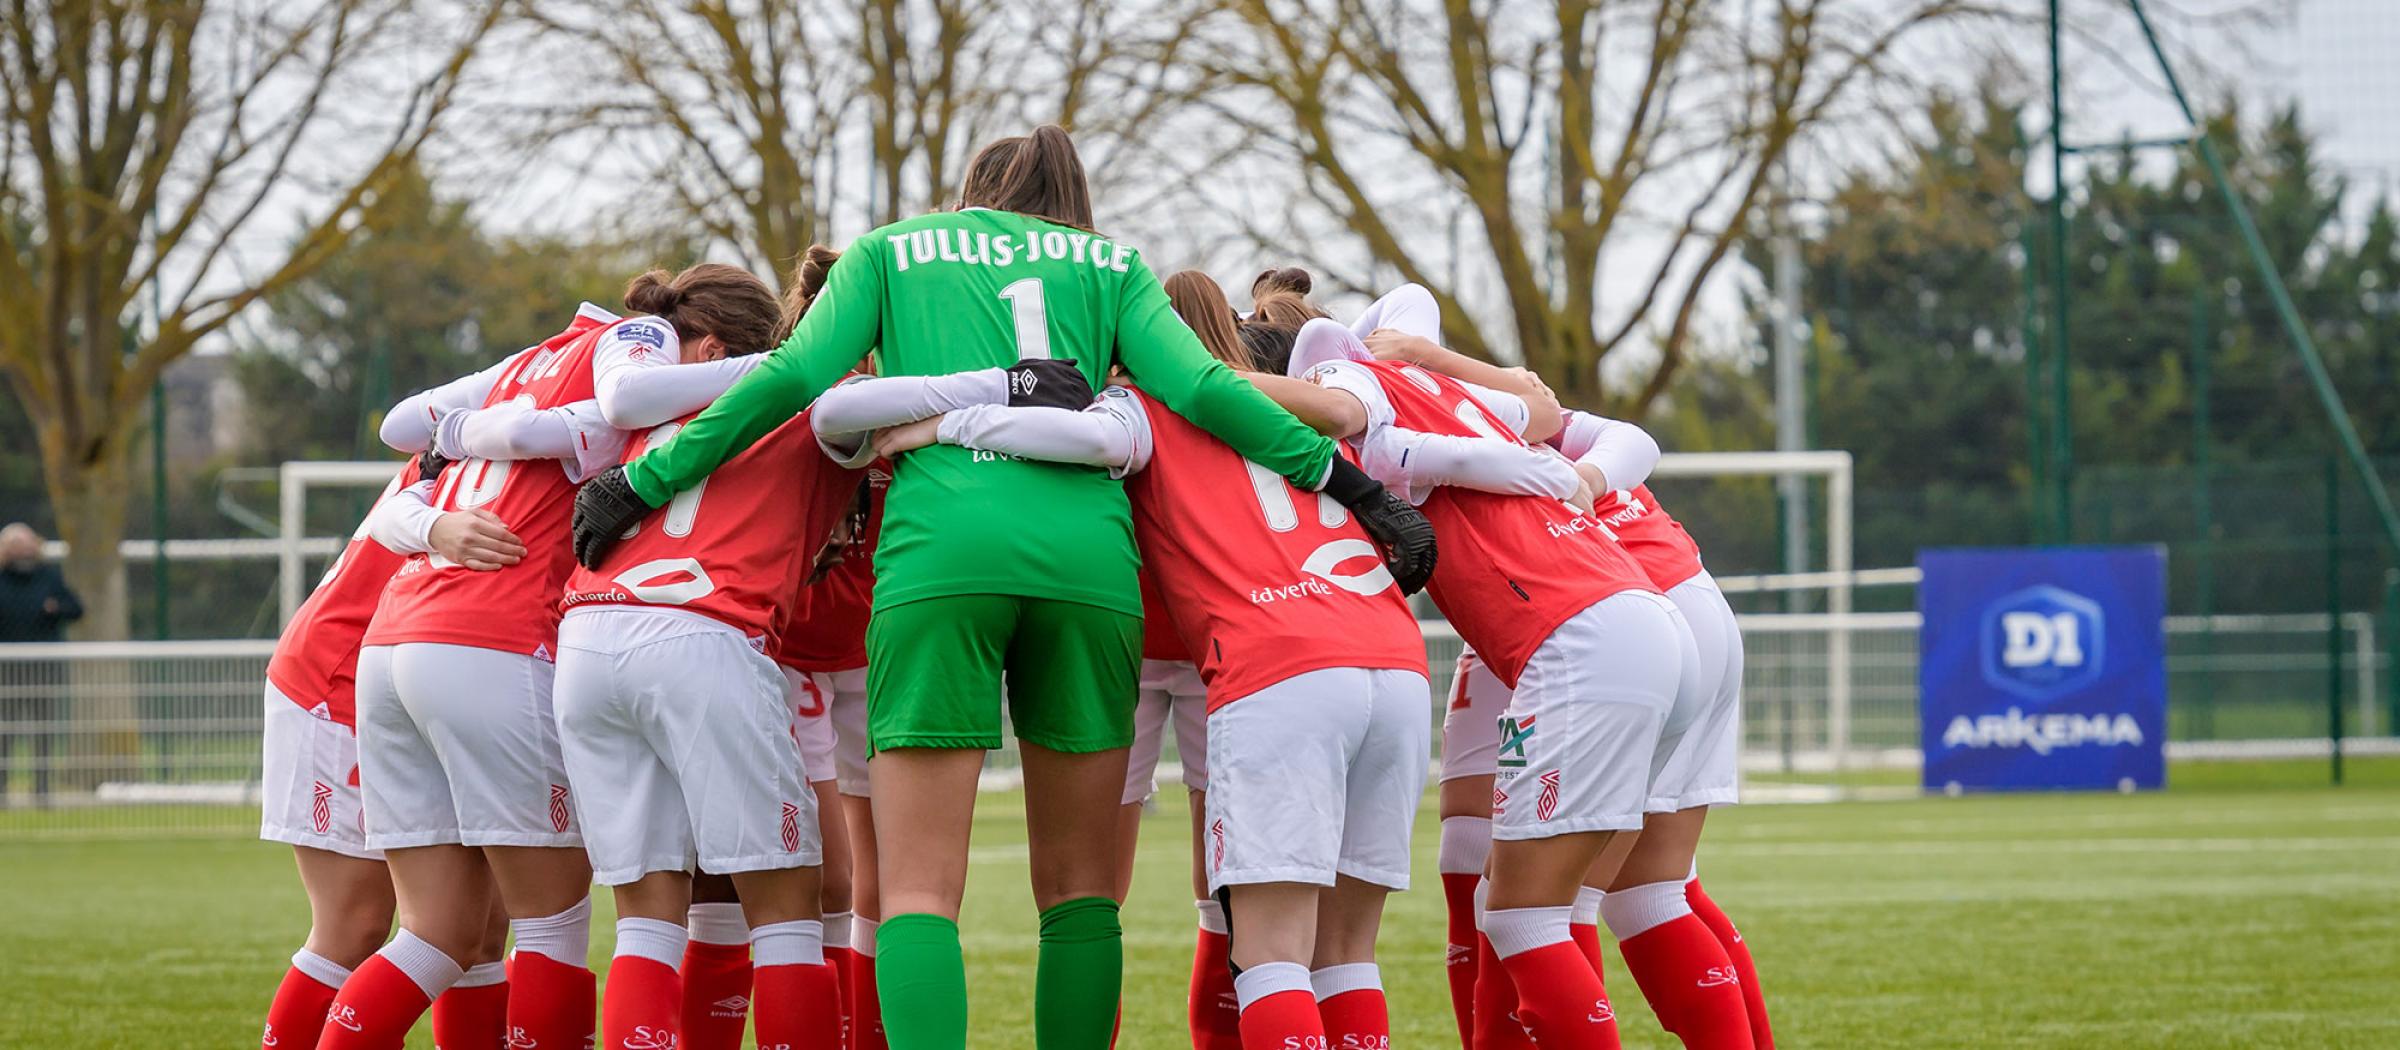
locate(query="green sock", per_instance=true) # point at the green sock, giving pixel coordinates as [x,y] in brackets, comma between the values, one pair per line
[922,977]
[1082,970]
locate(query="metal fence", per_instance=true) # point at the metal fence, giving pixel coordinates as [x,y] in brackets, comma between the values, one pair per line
[152,737]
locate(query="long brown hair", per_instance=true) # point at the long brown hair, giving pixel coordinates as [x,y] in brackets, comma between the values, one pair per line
[728,302]
[1269,344]
[808,278]
[1202,305]
[1037,174]
[1284,308]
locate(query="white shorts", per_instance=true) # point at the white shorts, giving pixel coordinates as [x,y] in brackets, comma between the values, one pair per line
[682,747]
[1585,734]
[1316,775]
[1170,689]
[308,781]
[812,723]
[1704,768]
[456,745]
[846,697]
[1471,720]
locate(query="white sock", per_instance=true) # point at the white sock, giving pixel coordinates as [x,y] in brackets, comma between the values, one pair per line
[1466,843]
[1212,917]
[1348,977]
[1515,931]
[425,964]
[837,930]
[482,975]
[800,942]
[320,969]
[566,936]
[862,935]
[657,940]
[718,923]
[1636,911]
[1265,979]
[1483,895]
[1587,905]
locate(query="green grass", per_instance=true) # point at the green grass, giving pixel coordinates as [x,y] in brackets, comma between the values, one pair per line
[2243,908]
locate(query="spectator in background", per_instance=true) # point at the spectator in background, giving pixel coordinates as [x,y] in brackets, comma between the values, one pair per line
[35,606]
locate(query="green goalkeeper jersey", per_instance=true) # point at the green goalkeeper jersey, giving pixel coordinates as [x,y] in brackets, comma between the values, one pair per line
[963,290]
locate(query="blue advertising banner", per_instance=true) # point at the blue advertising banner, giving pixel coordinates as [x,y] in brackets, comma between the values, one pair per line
[2043,668]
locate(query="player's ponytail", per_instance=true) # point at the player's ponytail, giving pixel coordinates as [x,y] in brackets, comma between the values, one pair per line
[728,302]
[1202,305]
[1037,174]
[808,279]
[1285,308]
[1282,279]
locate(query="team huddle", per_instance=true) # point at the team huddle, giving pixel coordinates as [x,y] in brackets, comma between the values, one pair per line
[730,633]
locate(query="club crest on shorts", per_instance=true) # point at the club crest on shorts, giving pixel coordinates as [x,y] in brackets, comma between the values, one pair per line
[1216,836]
[560,818]
[791,828]
[320,806]
[1545,805]
[1514,732]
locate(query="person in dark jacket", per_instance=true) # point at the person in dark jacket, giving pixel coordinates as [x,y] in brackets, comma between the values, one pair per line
[35,606]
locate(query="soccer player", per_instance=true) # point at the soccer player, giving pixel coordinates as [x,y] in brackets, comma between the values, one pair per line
[462,779]
[990,565]
[309,775]
[1560,612]
[1314,672]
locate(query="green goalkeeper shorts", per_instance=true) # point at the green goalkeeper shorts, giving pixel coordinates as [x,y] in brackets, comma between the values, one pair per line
[936,669]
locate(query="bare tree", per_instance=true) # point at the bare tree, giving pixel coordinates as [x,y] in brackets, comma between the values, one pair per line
[1525,148]
[145,142]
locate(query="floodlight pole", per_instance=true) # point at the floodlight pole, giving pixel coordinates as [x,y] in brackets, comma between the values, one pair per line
[2062,427]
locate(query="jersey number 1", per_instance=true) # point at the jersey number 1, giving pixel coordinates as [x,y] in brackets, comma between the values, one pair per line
[1032,316]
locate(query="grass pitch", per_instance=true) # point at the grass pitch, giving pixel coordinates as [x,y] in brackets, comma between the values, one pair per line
[2245,907]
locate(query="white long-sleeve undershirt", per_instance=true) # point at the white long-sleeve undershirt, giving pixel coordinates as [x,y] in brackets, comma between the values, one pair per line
[1113,433]
[1623,453]
[403,522]
[1412,463]
[847,415]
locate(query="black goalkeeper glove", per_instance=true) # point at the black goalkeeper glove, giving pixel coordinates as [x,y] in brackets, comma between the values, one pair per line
[1404,535]
[430,465]
[605,507]
[1041,382]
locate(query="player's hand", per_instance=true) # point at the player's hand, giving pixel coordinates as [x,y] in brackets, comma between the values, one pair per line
[1043,382]
[477,539]
[1585,495]
[1392,344]
[908,437]
[1404,535]
[1118,376]
[605,507]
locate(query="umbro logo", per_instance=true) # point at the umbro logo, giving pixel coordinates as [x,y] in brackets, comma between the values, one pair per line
[1459,955]
[730,1006]
[1021,384]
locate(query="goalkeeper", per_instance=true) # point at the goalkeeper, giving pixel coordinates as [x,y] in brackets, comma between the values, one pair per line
[990,564]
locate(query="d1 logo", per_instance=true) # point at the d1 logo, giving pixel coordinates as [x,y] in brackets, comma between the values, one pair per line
[2042,641]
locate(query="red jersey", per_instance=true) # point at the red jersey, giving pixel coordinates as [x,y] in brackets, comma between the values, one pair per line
[1512,568]
[1654,538]
[316,660]
[734,547]
[1259,589]
[431,598]
[1159,638]
[825,628]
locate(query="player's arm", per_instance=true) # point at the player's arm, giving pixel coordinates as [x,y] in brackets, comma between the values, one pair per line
[639,384]
[579,435]
[841,326]
[1113,433]
[1529,404]
[1609,453]
[846,418]
[1413,463]
[1328,412]
[1168,361]
[410,425]
[407,523]
[1409,309]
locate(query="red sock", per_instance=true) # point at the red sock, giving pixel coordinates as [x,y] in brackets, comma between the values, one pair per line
[643,1009]
[551,1004]
[1587,940]
[1458,960]
[1496,1024]
[471,1018]
[866,1009]
[843,960]
[374,1010]
[716,995]
[1357,1020]
[1559,998]
[798,1007]
[297,1015]
[1216,1019]
[1754,999]
[1281,1021]
[1690,983]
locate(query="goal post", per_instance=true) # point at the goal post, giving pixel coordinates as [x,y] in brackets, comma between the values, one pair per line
[295,478]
